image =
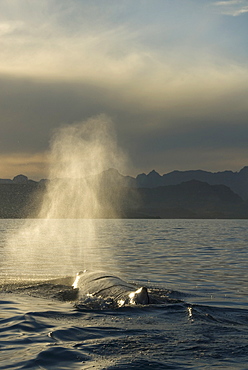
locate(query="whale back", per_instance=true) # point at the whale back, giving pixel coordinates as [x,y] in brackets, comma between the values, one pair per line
[109,286]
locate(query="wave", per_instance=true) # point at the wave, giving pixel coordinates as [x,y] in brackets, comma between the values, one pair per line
[40,330]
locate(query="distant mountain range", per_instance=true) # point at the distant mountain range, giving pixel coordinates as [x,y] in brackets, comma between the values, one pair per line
[178,194]
[236,181]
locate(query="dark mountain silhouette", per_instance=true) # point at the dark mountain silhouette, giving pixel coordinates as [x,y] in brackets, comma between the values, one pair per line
[20,200]
[112,177]
[236,181]
[145,196]
[193,199]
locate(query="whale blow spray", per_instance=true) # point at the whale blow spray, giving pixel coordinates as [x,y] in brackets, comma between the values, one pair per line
[63,238]
[79,154]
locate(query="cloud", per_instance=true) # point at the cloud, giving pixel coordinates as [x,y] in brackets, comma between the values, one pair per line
[159,125]
[233,7]
[115,43]
[172,75]
[210,160]
[74,41]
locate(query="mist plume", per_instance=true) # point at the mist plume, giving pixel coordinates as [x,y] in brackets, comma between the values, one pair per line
[79,154]
[65,236]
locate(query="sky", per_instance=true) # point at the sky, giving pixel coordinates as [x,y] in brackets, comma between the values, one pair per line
[171,74]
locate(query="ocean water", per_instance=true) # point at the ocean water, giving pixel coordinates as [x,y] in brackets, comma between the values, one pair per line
[199,265]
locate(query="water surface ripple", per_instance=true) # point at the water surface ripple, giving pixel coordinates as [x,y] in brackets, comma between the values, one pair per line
[201,262]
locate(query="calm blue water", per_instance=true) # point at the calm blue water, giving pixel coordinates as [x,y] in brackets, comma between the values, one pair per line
[202,262]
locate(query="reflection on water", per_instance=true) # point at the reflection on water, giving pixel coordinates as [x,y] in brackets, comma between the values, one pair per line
[203,257]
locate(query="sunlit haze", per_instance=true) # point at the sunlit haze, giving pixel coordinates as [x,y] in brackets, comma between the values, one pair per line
[78,154]
[171,75]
